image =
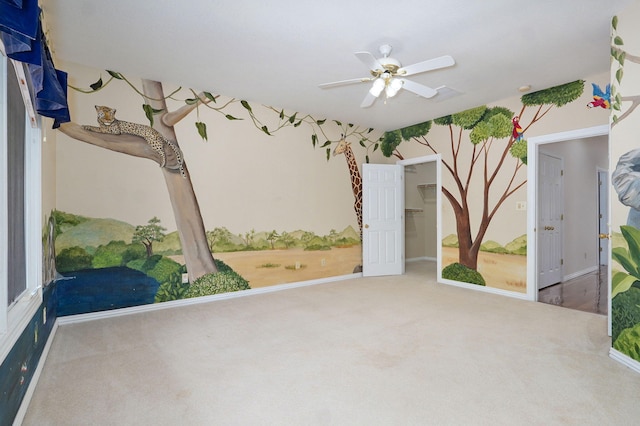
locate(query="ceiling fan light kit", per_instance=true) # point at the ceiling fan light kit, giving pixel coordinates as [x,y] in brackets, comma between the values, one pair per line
[393,87]
[377,87]
[386,73]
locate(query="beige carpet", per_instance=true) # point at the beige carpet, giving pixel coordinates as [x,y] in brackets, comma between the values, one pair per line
[367,351]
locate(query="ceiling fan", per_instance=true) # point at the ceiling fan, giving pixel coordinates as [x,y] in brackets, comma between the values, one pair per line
[388,75]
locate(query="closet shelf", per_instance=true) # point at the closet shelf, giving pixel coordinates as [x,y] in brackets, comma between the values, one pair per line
[427,186]
[427,191]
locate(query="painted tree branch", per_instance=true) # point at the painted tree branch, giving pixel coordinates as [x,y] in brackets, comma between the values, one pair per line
[635,101]
[508,190]
[172,118]
[627,55]
[457,207]
[472,164]
[397,154]
[126,144]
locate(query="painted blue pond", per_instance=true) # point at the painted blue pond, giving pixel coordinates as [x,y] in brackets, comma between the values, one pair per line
[94,290]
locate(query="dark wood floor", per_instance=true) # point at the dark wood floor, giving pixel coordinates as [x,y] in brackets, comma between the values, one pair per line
[585,293]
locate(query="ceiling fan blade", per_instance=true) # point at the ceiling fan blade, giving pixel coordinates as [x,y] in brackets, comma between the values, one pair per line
[369,60]
[344,82]
[419,89]
[368,100]
[428,65]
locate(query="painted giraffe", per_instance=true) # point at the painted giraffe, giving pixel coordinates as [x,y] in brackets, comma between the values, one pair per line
[344,147]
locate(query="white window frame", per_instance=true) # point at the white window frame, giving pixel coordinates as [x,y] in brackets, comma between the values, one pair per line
[15,318]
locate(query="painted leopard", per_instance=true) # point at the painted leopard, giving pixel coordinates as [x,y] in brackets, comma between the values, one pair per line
[110,124]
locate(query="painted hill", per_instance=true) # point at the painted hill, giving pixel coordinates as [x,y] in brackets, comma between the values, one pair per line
[349,233]
[88,233]
[450,240]
[170,244]
[493,247]
[95,232]
[517,246]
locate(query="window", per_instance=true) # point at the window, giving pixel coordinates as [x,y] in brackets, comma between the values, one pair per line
[16,129]
[20,200]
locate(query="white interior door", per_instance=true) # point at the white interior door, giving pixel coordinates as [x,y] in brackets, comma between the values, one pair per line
[382,219]
[603,216]
[550,216]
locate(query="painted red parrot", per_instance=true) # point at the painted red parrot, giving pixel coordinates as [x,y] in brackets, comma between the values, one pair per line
[600,99]
[518,132]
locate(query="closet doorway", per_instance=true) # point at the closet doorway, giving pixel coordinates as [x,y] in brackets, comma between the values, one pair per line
[422,210]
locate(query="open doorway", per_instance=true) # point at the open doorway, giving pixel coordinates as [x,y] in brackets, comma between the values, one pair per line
[422,210]
[568,223]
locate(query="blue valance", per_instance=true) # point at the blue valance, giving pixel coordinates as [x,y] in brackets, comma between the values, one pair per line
[24,41]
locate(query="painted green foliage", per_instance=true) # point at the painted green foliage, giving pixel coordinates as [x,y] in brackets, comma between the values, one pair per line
[625,294]
[224,281]
[458,272]
[628,259]
[618,56]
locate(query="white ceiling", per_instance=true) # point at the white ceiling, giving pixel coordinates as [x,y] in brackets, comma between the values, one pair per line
[277,52]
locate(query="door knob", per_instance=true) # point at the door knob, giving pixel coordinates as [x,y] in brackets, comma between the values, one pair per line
[604,236]
[366,225]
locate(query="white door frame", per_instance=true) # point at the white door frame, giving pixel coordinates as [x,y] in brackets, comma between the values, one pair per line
[606,254]
[532,192]
[437,158]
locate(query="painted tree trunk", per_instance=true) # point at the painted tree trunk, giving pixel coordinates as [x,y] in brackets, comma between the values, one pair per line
[148,247]
[186,209]
[467,256]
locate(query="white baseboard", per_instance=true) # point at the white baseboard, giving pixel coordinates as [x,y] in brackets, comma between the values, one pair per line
[418,259]
[24,405]
[580,273]
[485,289]
[625,360]
[197,300]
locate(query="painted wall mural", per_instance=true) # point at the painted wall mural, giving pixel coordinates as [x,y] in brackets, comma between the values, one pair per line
[625,178]
[249,195]
[484,154]
[116,263]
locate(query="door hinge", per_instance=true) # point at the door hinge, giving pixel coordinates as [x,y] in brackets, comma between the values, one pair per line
[561,172]
[562,261]
[562,216]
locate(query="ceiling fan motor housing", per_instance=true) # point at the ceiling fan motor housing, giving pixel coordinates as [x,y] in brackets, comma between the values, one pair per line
[388,63]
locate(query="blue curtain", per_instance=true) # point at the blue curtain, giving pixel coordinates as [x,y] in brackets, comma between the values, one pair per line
[24,41]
